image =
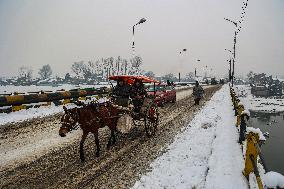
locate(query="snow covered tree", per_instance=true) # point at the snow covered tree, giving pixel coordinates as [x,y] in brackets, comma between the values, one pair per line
[25,73]
[45,72]
[149,74]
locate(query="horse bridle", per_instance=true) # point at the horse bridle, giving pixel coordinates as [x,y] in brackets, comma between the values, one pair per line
[70,126]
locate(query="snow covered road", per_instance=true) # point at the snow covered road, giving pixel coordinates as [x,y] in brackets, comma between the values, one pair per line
[36,157]
[205,155]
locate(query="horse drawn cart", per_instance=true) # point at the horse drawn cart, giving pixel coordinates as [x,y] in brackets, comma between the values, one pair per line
[116,114]
[148,113]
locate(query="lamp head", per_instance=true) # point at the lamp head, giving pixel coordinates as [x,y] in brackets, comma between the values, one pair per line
[142,20]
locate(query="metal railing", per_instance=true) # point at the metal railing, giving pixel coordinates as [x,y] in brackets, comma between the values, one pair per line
[11,103]
[252,141]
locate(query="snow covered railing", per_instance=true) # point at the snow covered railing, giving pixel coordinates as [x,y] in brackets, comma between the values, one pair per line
[18,102]
[252,139]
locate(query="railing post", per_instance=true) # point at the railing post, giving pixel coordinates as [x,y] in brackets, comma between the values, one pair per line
[243,127]
[251,158]
[240,109]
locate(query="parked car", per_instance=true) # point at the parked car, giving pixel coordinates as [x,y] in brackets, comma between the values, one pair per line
[164,93]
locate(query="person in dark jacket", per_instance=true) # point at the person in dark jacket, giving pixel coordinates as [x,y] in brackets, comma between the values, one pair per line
[138,94]
[198,93]
[122,89]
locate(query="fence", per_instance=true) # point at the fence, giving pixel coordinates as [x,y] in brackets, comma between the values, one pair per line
[18,102]
[251,138]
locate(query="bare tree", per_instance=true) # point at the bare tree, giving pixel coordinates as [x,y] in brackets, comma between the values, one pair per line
[149,74]
[25,73]
[136,62]
[250,76]
[169,76]
[45,72]
[77,68]
[189,76]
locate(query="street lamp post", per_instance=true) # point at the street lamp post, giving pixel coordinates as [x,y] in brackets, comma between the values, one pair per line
[237,30]
[142,20]
[183,50]
[234,48]
[231,72]
[195,72]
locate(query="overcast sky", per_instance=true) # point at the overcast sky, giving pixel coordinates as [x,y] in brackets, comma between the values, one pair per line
[60,32]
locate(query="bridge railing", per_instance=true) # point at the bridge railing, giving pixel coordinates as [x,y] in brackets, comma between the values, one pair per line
[250,139]
[11,103]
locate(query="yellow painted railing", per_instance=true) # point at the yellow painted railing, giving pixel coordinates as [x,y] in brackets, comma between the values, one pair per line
[252,140]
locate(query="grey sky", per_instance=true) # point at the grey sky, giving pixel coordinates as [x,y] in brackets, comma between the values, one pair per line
[59,32]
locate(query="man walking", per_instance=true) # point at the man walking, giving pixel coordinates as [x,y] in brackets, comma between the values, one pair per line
[198,93]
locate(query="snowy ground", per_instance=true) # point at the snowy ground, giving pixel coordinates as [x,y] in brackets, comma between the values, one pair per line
[42,111]
[205,155]
[258,104]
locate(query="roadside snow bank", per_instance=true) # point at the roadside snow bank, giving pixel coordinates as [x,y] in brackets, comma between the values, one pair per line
[205,155]
[23,115]
[31,113]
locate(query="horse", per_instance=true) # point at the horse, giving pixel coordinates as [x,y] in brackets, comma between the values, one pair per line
[90,118]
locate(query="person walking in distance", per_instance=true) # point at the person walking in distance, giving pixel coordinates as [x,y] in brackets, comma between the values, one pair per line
[198,93]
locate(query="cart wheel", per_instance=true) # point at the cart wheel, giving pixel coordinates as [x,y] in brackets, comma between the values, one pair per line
[151,119]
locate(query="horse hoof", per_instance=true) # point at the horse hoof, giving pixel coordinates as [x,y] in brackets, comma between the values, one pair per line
[82,158]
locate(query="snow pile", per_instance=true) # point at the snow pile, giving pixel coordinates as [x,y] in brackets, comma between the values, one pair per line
[273,180]
[23,115]
[42,111]
[205,155]
[257,131]
[256,103]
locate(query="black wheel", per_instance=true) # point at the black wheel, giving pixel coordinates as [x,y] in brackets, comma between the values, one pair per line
[151,119]
[174,100]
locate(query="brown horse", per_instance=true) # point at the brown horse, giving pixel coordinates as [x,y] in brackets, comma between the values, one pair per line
[90,118]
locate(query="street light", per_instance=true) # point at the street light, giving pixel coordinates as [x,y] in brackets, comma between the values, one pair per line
[142,20]
[234,48]
[195,73]
[237,30]
[183,50]
[230,64]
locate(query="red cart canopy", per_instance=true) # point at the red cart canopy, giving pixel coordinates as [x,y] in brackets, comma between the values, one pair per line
[130,79]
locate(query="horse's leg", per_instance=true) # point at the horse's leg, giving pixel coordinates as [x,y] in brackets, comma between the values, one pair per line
[113,136]
[111,139]
[97,143]
[84,136]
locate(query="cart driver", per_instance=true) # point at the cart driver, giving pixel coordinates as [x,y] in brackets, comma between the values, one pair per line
[122,89]
[138,94]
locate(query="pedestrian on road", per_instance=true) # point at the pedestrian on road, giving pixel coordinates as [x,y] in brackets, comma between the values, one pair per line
[198,93]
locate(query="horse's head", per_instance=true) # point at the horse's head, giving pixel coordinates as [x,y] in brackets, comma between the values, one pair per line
[68,121]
